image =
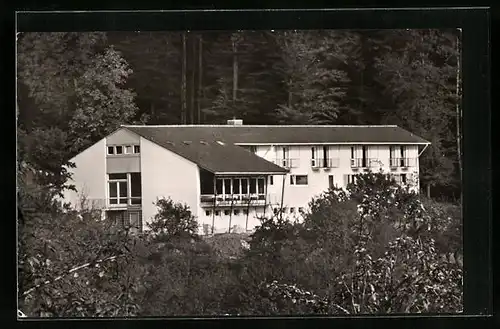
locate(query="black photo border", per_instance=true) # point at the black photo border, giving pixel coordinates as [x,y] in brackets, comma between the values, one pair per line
[476,133]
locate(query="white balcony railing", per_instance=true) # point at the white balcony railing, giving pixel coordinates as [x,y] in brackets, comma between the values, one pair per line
[325,163]
[364,162]
[235,200]
[287,163]
[402,162]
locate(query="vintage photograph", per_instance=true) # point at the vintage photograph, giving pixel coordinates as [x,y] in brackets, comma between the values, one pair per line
[239,173]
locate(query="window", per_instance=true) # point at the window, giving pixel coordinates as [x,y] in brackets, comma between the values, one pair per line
[349,179]
[217,213]
[128,149]
[253,185]
[244,186]
[313,155]
[331,183]
[111,150]
[207,212]
[218,186]
[124,187]
[135,219]
[226,212]
[119,149]
[137,149]
[403,178]
[236,186]
[271,180]
[227,186]
[260,185]
[298,180]
[236,212]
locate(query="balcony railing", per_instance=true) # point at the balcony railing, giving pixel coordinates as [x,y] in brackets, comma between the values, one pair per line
[325,163]
[287,163]
[402,162]
[364,162]
[235,199]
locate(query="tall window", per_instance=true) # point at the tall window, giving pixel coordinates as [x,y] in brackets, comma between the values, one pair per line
[325,156]
[124,188]
[331,183]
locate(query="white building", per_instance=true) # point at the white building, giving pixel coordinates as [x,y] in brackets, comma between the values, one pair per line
[230,174]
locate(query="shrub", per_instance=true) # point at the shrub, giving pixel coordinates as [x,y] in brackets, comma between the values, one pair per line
[173,220]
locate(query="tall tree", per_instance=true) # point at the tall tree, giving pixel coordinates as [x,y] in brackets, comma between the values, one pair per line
[315,82]
[73,82]
[418,71]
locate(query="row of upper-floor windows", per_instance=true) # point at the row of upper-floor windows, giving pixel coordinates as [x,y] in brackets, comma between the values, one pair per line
[323,151]
[123,149]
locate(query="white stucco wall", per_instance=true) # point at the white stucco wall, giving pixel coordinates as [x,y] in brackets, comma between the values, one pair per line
[166,174]
[89,176]
[318,181]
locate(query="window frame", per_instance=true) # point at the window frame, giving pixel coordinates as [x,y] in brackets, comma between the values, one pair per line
[293,180]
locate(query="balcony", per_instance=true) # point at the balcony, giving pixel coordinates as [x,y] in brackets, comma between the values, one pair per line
[287,163]
[325,163]
[235,200]
[402,162]
[365,163]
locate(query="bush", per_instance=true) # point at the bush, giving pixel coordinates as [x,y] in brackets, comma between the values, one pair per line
[173,220]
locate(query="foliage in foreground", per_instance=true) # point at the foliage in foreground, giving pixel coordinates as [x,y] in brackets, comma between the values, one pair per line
[376,249]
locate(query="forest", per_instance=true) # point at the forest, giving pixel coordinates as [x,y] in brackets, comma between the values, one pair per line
[75,88]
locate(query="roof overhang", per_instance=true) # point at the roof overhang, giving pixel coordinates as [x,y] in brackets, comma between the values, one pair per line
[334,143]
[251,173]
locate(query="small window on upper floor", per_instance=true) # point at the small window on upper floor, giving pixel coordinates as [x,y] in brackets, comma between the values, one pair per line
[137,149]
[236,212]
[217,213]
[119,149]
[111,150]
[207,212]
[271,180]
[226,212]
[128,149]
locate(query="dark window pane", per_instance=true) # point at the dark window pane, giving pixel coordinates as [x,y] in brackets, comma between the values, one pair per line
[117,176]
[219,186]
[119,150]
[291,180]
[236,186]
[137,149]
[301,180]
[244,186]
[271,180]
[226,212]
[122,201]
[253,185]
[113,201]
[217,213]
[261,186]
[112,190]
[236,212]
[123,189]
[136,200]
[207,212]
[227,186]
[135,184]
[111,150]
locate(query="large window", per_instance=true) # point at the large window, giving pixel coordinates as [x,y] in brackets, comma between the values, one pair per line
[298,180]
[124,188]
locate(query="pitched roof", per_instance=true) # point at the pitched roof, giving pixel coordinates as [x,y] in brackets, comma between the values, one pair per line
[248,134]
[209,153]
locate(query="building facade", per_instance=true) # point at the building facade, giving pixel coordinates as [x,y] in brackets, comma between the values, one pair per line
[230,175]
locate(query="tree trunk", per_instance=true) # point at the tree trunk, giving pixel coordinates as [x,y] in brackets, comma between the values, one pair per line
[235,75]
[428,190]
[200,75]
[183,80]
[192,81]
